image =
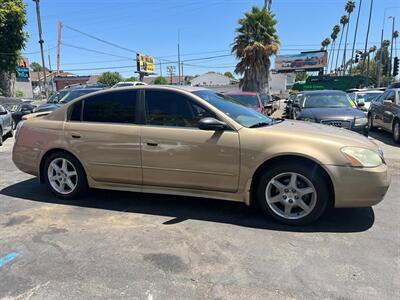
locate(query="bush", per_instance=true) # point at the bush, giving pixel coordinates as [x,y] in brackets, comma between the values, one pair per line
[160,80]
[19,94]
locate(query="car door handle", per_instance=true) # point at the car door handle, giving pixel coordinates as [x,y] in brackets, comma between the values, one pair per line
[152,144]
[75,135]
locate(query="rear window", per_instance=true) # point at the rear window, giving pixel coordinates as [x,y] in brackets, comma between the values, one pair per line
[247,100]
[117,107]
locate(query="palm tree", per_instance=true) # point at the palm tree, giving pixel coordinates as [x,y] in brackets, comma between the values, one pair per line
[355,36]
[335,32]
[350,5]
[343,20]
[256,41]
[325,43]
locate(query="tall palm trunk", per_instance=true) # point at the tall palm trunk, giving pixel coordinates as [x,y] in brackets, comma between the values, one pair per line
[355,37]
[345,47]
[331,54]
[340,44]
[366,37]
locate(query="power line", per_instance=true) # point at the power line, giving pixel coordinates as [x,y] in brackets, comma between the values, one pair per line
[94,51]
[101,68]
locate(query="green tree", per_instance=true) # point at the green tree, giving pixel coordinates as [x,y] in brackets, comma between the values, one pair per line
[12,41]
[110,78]
[229,75]
[334,35]
[301,76]
[132,78]
[325,43]
[256,41]
[160,80]
[36,67]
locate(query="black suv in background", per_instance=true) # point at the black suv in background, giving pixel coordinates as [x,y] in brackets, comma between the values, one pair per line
[385,113]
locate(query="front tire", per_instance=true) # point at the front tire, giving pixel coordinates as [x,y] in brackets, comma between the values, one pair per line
[396,132]
[65,176]
[370,123]
[292,193]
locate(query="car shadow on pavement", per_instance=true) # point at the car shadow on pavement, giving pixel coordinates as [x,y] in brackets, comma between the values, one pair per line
[383,136]
[181,208]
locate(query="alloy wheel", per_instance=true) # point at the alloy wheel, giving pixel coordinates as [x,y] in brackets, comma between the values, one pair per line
[291,195]
[62,176]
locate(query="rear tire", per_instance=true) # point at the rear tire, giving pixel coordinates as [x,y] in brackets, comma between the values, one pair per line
[396,132]
[371,123]
[293,193]
[65,176]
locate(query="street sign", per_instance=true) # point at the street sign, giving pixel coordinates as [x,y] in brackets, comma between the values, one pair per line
[22,72]
[145,64]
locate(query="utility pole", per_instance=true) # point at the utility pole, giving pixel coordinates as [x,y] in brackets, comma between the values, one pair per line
[391,46]
[171,71]
[160,68]
[41,44]
[183,77]
[179,59]
[59,47]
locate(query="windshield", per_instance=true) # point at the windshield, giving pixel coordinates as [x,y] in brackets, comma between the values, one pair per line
[14,108]
[265,98]
[327,101]
[71,95]
[247,100]
[233,108]
[367,97]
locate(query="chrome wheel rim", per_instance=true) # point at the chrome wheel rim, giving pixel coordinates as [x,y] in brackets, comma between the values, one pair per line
[396,131]
[291,195]
[62,176]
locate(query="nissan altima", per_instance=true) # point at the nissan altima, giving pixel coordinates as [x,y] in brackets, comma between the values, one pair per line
[196,142]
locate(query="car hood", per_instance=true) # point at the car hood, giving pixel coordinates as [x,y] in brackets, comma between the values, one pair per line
[303,131]
[48,107]
[345,113]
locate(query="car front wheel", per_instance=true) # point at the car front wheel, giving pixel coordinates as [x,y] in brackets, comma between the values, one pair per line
[293,194]
[396,132]
[65,176]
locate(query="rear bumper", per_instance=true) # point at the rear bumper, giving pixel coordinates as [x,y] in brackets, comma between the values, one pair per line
[359,187]
[26,159]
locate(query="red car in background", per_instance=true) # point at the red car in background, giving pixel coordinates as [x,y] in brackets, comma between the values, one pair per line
[250,99]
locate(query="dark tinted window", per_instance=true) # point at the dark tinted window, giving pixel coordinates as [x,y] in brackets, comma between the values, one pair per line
[172,109]
[246,100]
[391,96]
[116,107]
[76,113]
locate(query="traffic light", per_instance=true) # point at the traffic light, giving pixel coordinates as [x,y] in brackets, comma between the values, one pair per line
[396,66]
[357,59]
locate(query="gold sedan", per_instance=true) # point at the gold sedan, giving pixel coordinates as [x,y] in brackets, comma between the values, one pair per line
[196,142]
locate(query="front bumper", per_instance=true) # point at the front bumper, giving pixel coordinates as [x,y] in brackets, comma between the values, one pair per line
[359,187]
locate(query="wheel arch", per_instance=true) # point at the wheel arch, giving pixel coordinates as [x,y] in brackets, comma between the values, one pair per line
[50,152]
[295,159]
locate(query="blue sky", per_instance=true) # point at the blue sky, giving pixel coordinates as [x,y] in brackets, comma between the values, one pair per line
[207,28]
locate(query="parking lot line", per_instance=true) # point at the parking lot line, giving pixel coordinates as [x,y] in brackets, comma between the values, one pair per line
[8,258]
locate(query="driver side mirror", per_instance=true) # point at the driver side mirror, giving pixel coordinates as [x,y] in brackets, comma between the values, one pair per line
[360,104]
[212,124]
[3,112]
[387,102]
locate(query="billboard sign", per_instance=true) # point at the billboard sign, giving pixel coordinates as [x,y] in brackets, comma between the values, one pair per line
[145,63]
[304,61]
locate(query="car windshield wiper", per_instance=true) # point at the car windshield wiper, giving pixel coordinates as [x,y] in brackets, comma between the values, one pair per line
[261,124]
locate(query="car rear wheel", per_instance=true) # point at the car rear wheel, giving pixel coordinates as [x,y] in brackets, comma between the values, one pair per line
[293,194]
[65,176]
[396,132]
[370,123]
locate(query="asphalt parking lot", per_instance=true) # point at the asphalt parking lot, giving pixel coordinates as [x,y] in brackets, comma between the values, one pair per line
[116,245]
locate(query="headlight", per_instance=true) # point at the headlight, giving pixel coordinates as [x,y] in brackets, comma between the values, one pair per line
[18,129]
[362,157]
[308,120]
[360,121]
